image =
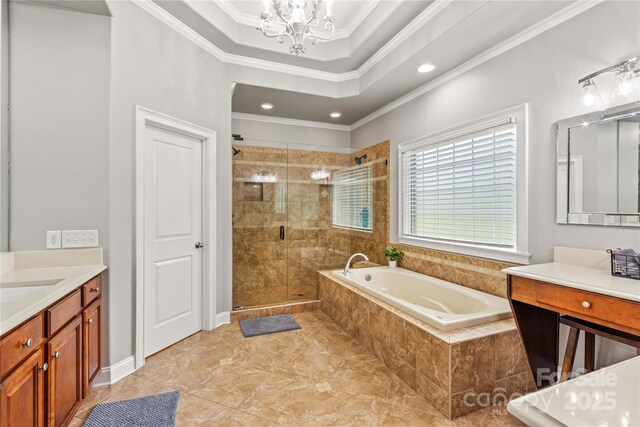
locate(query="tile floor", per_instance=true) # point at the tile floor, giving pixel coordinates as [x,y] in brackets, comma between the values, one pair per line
[314,376]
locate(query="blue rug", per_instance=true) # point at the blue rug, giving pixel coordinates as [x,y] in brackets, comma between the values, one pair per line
[158,410]
[268,325]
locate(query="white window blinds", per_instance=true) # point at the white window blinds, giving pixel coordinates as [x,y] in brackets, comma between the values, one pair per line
[462,189]
[353,197]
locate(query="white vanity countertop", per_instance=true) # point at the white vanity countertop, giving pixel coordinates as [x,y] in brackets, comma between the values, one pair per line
[606,397]
[27,274]
[586,278]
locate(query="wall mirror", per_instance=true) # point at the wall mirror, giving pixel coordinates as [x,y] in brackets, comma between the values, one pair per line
[598,168]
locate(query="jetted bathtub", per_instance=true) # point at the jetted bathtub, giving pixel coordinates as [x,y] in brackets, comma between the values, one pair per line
[441,304]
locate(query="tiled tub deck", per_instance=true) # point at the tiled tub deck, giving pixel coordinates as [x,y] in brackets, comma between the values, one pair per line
[458,371]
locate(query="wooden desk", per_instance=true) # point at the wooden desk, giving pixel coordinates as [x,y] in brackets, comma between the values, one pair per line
[538,304]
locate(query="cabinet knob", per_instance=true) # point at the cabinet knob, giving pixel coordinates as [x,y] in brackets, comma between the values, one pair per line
[43,367]
[96,289]
[586,304]
[90,321]
[27,343]
[56,355]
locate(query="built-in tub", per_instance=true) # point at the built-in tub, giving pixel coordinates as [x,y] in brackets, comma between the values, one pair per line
[441,304]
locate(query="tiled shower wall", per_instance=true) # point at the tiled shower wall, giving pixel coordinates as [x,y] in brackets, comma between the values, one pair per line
[268,270]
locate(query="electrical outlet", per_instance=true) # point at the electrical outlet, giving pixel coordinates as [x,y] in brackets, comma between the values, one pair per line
[79,238]
[54,239]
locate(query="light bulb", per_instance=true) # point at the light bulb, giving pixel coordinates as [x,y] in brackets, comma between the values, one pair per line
[591,94]
[426,68]
[329,7]
[266,6]
[627,82]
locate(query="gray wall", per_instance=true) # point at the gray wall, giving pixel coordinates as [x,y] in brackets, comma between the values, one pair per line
[4,128]
[544,73]
[268,133]
[155,67]
[76,79]
[59,122]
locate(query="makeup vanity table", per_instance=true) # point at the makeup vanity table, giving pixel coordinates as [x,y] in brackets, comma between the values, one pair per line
[570,286]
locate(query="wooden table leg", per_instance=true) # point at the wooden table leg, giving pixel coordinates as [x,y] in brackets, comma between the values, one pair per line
[589,351]
[539,330]
[570,353]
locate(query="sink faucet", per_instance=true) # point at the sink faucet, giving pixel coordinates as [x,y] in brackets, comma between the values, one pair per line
[345,272]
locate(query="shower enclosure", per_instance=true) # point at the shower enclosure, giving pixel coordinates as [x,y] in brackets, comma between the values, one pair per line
[286,226]
[281,224]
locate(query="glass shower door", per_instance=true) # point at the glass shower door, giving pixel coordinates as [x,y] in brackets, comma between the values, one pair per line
[260,262]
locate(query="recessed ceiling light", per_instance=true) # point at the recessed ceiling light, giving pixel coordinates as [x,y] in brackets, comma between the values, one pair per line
[426,68]
[266,106]
[335,114]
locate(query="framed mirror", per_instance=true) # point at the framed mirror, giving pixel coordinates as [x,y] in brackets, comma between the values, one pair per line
[598,168]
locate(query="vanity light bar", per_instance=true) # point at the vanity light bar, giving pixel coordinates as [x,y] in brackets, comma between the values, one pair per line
[617,67]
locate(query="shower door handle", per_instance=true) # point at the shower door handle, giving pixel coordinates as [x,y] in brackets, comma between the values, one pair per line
[282,232]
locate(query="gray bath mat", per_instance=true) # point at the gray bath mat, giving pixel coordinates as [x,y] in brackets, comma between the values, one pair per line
[268,325]
[158,410]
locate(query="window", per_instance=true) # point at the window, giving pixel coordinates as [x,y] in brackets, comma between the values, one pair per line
[353,198]
[463,190]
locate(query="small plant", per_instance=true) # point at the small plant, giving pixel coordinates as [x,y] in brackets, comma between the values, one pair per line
[393,254]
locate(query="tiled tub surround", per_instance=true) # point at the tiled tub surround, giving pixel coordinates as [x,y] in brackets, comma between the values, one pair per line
[476,273]
[457,372]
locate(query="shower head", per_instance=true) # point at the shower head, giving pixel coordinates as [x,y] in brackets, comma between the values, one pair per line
[358,160]
[236,150]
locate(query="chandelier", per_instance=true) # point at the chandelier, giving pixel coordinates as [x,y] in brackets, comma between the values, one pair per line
[298,18]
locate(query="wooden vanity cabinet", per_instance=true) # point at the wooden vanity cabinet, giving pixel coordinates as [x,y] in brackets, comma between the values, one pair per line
[49,362]
[91,326]
[64,377]
[22,394]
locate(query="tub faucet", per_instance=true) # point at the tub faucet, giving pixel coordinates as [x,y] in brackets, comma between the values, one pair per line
[345,272]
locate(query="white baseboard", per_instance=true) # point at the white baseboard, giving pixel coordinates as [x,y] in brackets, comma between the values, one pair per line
[223,318]
[114,373]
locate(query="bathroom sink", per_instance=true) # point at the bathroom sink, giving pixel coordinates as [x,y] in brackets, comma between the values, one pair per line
[21,293]
[29,283]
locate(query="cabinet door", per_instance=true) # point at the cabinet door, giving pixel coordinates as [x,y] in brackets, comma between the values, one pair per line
[22,394]
[92,317]
[64,352]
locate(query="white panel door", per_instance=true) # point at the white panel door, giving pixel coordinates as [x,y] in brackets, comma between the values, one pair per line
[172,231]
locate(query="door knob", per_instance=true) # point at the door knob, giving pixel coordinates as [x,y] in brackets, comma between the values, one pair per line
[44,367]
[27,343]
[56,355]
[90,321]
[199,245]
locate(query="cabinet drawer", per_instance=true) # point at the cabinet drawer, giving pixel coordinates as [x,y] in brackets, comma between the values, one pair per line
[522,289]
[61,313]
[91,290]
[609,310]
[17,345]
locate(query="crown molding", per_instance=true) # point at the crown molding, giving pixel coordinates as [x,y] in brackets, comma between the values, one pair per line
[180,27]
[289,69]
[418,22]
[563,15]
[574,9]
[173,22]
[291,122]
[183,29]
